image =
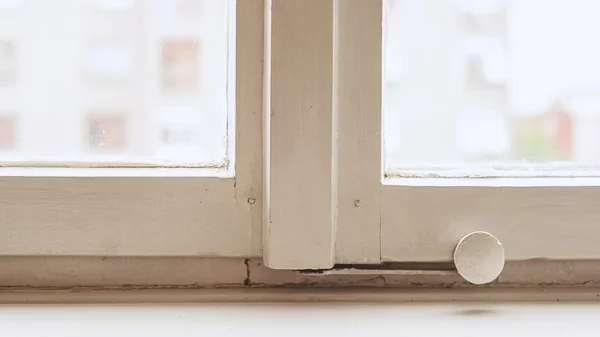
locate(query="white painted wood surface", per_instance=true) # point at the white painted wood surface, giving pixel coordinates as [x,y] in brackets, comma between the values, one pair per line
[249,104]
[358,104]
[424,223]
[301,173]
[111,216]
[458,319]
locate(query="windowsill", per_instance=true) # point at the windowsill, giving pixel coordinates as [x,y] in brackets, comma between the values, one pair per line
[324,319]
[300,294]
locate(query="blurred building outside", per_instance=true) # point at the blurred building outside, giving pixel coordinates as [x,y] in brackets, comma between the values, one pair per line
[456,77]
[123,79]
[91,79]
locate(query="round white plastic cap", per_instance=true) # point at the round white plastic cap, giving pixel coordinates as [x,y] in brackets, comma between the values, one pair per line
[479,257]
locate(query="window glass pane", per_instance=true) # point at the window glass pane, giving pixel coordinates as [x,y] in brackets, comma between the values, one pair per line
[491,83]
[116,81]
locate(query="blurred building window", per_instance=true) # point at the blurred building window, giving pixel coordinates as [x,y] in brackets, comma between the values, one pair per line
[182,9]
[8,62]
[109,60]
[172,136]
[188,7]
[180,66]
[482,7]
[106,131]
[474,76]
[179,125]
[486,61]
[114,4]
[545,137]
[9,4]
[483,134]
[493,24]
[8,132]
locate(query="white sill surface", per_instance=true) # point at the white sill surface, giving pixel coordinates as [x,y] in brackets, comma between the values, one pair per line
[371,320]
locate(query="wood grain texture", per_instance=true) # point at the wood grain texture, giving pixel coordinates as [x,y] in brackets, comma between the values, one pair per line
[299,232]
[358,98]
[424,223]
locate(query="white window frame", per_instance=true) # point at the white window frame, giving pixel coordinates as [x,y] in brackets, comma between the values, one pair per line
[308,190]
[350,211]
[322,134]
